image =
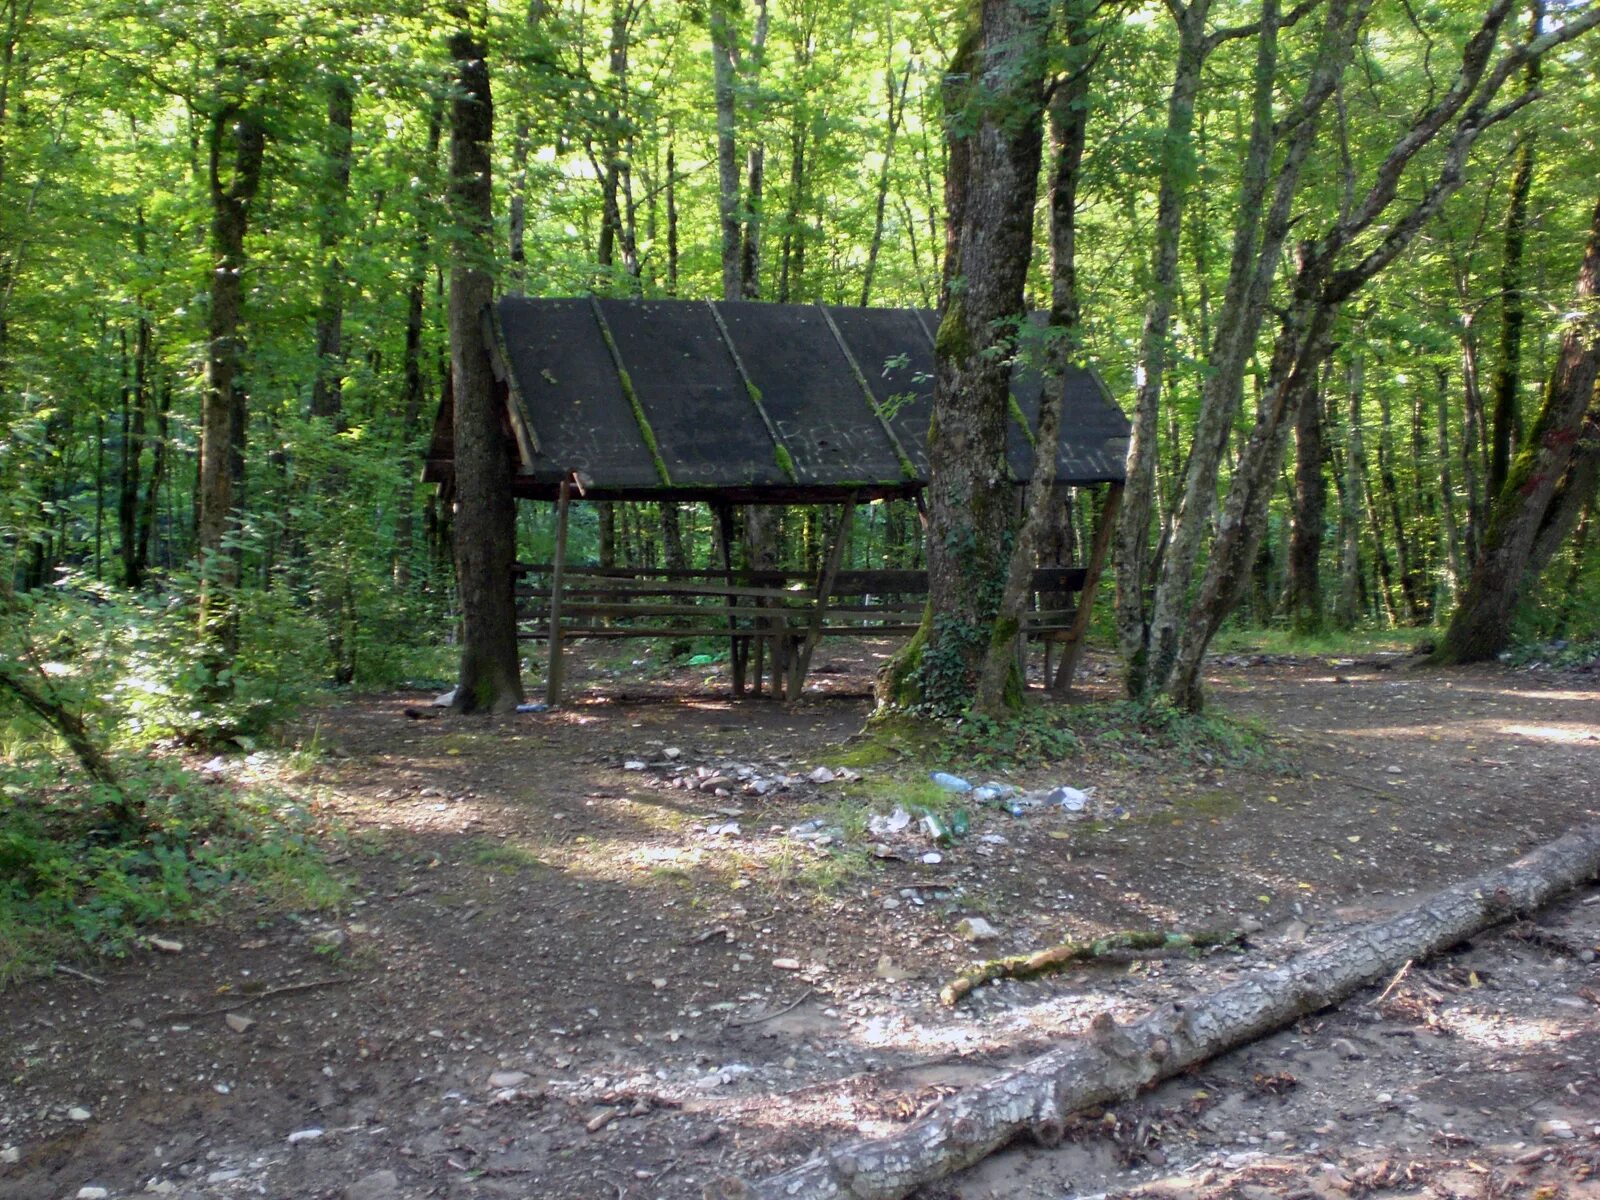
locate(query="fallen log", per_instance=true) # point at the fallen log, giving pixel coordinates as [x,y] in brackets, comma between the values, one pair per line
[1058,958]
[1112,1062]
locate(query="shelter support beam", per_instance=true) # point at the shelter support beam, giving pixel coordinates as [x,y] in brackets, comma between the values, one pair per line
[556,668]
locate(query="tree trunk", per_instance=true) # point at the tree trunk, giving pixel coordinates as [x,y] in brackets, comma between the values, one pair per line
[485,519]
[1410,609]
[414,389]
[1513,310]
[1109,1062]
[897,107]
[236,135]
[724,14]
[1310,502]
[1134,562]
[1481,626]
[1347,603]
[326,398]
[994,103]
[1451,531]
[998,685]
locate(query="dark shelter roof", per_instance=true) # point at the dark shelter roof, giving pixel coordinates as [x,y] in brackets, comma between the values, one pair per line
[748,402]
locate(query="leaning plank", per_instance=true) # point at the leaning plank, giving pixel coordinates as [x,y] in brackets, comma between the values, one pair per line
[1112,1062]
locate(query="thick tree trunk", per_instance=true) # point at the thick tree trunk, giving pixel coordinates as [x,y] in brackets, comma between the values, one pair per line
[237,146]
[994,101]
[485,519]
[326,398]
[1111,1062]
[998,685]
[1482,625]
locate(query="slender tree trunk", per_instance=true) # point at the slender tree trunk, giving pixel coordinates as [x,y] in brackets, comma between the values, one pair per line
[237,146]
[897,106]
[724,15]
[1451,532]
[1347,605]
[1482,624]
[1135,567]
[994,102]
[1409,607]
[1310,502]
[326,398]
[1513,308]
[414,389]
[1474,462]
[672,221]
[485,520]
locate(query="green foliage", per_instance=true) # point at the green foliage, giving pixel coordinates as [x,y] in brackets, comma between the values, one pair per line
[1178,737]
[1031,737]
[70,884]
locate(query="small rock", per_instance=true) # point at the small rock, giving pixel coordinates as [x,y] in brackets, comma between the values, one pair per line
[672,753]
[727,829]
[304,1135]
[161,1187]
[1561,1130]
[508,1079]
[786,964]
[238,1022]
[166,945]
[1393,770]
[329,939]
[887,969]
[633,764]
[93,1193]
[933,858]
[821,775]
[10,1155]
[75,1113]
[380,1185]
[976,929]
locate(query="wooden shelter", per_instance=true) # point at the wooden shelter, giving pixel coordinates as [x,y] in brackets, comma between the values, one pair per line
[738,403]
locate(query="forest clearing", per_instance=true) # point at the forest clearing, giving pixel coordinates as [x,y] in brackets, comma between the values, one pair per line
[553,979]
[784,598]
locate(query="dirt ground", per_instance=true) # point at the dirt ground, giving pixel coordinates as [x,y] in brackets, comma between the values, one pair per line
[565,973]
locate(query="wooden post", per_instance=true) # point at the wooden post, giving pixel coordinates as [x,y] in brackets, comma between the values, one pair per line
[1072,652]
[819,600]
[739,646]
[556,668]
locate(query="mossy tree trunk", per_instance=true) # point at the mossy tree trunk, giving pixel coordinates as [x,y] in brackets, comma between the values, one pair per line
[994,102]
[1482,625]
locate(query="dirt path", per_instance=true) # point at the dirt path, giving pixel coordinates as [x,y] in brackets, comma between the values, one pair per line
[562,976]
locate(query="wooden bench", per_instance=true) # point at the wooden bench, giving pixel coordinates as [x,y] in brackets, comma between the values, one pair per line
[774,615]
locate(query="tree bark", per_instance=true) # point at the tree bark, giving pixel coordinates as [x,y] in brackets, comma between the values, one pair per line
[1310,503]
[485,518]
[999,686]
[994,103]
[326,398]
[724,14]
[1134,561]
[1347,605]
[1513,307]
[1111,1062]
[897,106]
[237,147]
[1482,625]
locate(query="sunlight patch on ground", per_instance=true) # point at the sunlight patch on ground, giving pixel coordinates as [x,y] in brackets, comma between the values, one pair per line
[1501,1031]
[1564,732]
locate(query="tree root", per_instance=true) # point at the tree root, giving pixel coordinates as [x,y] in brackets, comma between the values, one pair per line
[1056,958]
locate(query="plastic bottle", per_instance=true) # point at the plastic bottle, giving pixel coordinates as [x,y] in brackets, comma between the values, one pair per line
[950,783]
